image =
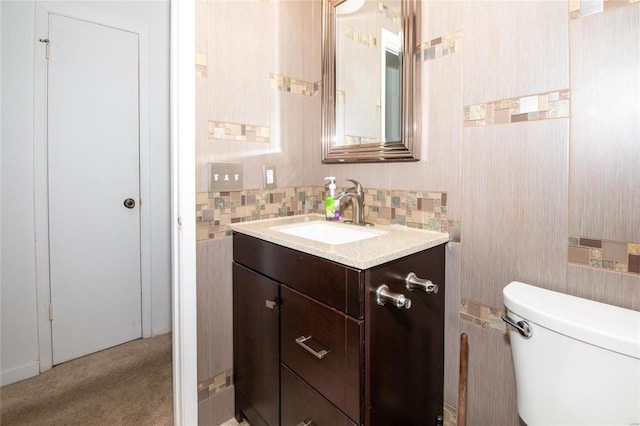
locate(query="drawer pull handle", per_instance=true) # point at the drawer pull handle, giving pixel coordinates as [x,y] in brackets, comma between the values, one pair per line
[414,282]
[300,341]
[305,423]
[383,295]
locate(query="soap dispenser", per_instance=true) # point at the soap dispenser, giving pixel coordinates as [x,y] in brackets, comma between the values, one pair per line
[331,205]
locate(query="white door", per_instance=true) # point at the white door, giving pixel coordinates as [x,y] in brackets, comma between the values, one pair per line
[93,154]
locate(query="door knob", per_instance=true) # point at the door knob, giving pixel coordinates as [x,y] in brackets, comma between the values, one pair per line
[129,203]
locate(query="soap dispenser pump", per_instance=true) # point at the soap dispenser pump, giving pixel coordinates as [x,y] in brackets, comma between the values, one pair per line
[332,212]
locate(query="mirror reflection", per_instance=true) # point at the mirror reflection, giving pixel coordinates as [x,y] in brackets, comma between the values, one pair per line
[368,43]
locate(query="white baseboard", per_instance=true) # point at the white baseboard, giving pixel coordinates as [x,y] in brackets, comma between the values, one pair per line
[160,331]
[22,372]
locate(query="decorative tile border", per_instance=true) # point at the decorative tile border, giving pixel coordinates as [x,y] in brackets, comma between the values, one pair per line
[581,8]
[215,211]
[421,210]
[528,108]
[604,254]
[386,11]
[360,37]
[220,130]
[214,385]
[437,48]
[483,316]
[450,415]
[296,86]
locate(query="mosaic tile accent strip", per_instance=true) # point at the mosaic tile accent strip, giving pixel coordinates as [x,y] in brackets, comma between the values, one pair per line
[420,210]
[603,254]
[360,37]
[442,46]
[450,415]
[528,108]
[202,61]
[581,8]
[386,11]
[215,211]
[483,316]
[213,385]
[285,83]
[220,130]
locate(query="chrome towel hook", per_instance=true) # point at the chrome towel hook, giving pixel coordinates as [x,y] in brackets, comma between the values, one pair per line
[413,282]
[383,295]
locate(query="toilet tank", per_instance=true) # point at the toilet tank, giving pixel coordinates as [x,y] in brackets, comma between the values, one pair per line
[581,363]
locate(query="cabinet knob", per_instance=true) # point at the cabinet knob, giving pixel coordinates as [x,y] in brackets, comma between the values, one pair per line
[413,282]
[271,304]
[383,295]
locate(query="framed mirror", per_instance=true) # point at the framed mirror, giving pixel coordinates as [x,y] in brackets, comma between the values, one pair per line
[369,109]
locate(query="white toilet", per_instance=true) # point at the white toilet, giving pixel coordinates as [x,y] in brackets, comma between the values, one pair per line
[580,364]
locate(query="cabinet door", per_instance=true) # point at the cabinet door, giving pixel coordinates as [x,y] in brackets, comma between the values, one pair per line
[256,347]
[406,347]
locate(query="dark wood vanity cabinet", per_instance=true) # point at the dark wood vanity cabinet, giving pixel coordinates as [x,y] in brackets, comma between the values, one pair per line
[311,343]
[405,347]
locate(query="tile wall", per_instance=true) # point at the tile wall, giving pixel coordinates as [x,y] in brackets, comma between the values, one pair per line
[530,146]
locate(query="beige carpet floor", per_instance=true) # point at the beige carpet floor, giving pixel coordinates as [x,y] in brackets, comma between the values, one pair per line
[130,384]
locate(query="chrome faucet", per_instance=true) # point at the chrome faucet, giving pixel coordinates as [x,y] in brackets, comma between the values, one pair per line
[356,197]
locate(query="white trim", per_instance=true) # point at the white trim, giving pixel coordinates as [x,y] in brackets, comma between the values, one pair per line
[41,173]
[21,372]
[163,330]
[145,181]
[183,227]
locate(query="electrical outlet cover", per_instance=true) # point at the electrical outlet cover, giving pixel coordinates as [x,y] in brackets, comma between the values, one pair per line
[269,177]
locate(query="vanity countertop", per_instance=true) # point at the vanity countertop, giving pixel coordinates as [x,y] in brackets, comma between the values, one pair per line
[391,243]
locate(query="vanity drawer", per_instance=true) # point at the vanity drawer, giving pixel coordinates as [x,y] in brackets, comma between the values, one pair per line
[325,348]
[302,404]
[336,285]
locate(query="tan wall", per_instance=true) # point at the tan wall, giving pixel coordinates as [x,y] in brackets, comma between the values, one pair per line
[530,128]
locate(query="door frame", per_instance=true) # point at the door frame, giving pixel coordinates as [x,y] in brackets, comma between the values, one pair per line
[183,212]
[43,284]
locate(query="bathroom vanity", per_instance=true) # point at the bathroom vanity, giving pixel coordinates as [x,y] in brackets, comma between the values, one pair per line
[330,334]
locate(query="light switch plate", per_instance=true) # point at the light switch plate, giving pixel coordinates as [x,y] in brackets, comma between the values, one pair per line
[269,177]
[225,177]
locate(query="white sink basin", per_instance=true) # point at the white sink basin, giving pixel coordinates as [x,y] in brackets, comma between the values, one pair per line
[328,233]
